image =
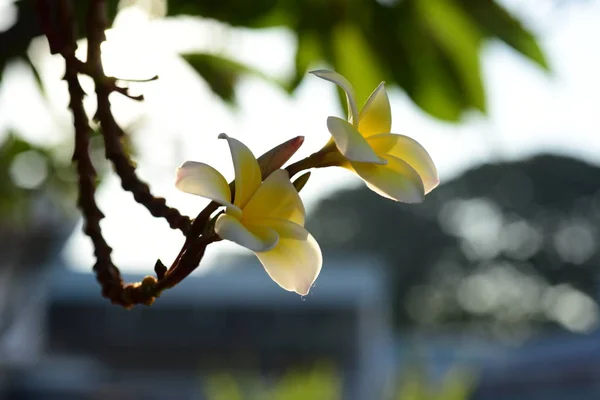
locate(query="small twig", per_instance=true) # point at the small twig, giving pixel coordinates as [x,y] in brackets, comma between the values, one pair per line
[125,92]
[153,78]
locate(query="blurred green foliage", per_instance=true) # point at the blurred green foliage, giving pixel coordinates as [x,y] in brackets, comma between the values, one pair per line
[457,384]
[16,40]
[319,383]
[323,383]
[525,227]
[221,74]
[31,169]
[430,48]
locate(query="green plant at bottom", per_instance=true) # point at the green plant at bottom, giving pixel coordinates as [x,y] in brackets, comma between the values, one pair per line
[323,382]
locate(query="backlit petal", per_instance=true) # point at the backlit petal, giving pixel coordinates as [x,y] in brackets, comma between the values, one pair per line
[255,238]
[203,180]
[247,171]
[376,115]
[295,262]
[276,197]
[396,180]
[342,82]
[410,151]
[351,143]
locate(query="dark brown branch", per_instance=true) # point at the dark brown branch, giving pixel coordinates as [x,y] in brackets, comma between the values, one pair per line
[62,38]
[112,132]
[199,234]
[107,274]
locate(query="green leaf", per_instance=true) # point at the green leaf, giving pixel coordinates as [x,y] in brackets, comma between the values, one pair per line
[459,39]
[301,181]
[432,86]
[435,90]
[390,40]
[414,61]
[497,22]
[222,74]
[355,59]
[308,53]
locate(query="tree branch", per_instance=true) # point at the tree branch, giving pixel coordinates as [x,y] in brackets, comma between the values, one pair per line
[60,32]
[107,273]
[61,36]
[112,132]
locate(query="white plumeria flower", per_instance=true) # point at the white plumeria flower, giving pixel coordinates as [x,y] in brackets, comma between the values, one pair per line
[394,166]
[265,217]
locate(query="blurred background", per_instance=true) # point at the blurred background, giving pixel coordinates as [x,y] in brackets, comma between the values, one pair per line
[488,290]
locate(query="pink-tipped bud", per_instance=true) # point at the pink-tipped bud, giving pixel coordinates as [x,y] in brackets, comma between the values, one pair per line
[275,158]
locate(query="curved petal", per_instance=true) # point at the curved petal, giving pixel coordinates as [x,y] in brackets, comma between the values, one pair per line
[350,143]
[396,180]
[203,180]
[247,172]
[342,82]
[376,115]
[255,238]
[276,197]
[295,262]
[410,151]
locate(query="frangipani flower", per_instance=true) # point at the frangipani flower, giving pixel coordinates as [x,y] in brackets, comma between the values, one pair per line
[395,166]
[265,217]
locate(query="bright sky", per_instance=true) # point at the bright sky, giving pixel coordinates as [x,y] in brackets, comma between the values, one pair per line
[529,112]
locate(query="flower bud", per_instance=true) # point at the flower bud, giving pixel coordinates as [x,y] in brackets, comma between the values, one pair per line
[274,159]
[301,181]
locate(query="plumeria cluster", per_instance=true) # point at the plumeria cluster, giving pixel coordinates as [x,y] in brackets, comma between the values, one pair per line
[265,213]
[261,210]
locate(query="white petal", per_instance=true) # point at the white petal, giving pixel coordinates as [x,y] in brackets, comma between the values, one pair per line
[277,198]
[410,151]
[351,143]
[342,82]
[376,115]
[396,180]
[247,171]
[203,180]
[255,238]
[295,262]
